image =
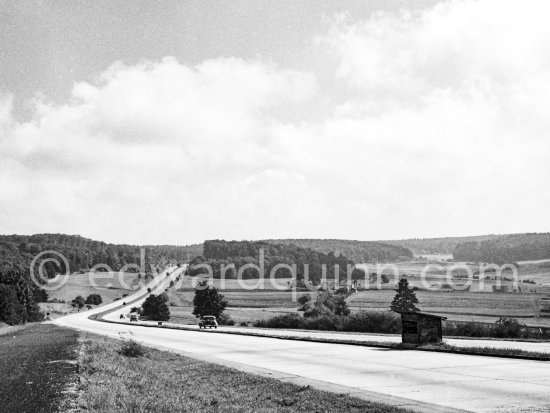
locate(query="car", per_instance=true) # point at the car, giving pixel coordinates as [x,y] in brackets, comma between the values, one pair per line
[208,321]
[133,317]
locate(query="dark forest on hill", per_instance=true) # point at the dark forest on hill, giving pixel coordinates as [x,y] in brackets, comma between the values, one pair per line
[235,254]
[506,249]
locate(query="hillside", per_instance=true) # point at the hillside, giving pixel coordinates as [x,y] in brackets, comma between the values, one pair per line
[444,245]
[19,295]
[83,253]
[235,254]
[357,251]
[507,248]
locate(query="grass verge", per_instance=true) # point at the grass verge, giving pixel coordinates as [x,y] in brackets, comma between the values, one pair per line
[162,381]
[38,365]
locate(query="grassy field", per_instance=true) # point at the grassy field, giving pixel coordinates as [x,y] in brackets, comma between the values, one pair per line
[241,298]
[38,365]
[460,305]
[109,286]
[166,382]
[486,303]
[265,284]
[485,307]
[184,315]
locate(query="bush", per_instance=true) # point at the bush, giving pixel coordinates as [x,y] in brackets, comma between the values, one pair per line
[94,299]
[282,321]
[225,320]
[509,328]
[376,322]
[304,299]
[385,322]
[326,322]
[466,329]
[78,301]
[131,348]
[505,327]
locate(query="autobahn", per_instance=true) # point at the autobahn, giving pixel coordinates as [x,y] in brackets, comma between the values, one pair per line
[422,381]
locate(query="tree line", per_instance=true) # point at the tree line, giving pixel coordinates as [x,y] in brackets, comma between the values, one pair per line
[358,251]
[505,249]
[19,294]
[235,254]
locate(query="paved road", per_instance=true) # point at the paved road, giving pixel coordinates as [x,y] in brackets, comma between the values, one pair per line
[433,380]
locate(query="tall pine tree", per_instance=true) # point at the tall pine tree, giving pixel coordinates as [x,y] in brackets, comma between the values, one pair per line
[405,299]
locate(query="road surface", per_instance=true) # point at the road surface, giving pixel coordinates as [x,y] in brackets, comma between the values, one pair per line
[421,380]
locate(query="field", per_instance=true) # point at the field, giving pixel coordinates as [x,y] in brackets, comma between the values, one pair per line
[469,305]
[460,306]
[108,285]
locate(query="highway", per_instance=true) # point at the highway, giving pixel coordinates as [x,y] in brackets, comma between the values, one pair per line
[423,381]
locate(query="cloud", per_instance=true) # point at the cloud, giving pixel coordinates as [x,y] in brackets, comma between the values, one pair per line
[442,131]
[146,149]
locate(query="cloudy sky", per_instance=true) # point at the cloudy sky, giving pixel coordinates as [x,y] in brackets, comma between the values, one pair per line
[179,121]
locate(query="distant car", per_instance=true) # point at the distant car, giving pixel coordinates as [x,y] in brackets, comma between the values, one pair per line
[208,321]
[133,317]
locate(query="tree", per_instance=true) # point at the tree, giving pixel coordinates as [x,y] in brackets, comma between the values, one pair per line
[11,310]
[78,301]
[94,299]
[155,308]
[405,299]
[340,305]
[208,301]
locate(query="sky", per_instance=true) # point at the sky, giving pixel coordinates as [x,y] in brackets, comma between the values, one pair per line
[172,122]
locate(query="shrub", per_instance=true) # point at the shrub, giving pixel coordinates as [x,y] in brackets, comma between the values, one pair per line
[131,348]
[304,299]
[78,301]
[376,322]
[508,328]
[326,322]
[225,320]
[505,327]
[282,321]
[94,299]
[373,322]
[340,305]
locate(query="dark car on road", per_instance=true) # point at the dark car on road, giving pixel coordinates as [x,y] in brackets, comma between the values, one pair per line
[208,321]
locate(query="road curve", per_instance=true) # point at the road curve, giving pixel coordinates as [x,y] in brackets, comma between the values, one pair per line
[423,381]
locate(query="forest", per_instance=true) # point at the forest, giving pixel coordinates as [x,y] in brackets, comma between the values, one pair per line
[444,245]
[235,254]
[19,295]
[505,249]
[83,253]
[358,251]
